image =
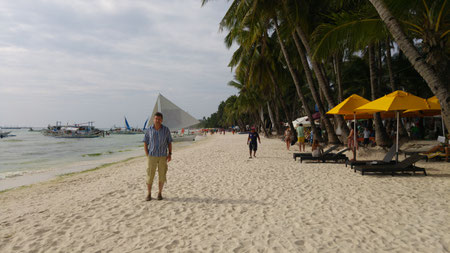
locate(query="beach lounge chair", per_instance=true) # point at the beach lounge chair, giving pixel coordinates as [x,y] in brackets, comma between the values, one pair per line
[339,156]
[332,148]
[386,160]
[434,153]
[403,166]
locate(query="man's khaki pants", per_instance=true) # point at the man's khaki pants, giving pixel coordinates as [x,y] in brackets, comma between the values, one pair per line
[154,162]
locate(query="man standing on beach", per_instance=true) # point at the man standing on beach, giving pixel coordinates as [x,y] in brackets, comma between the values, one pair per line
[157,141]
[301,137]
[251,142]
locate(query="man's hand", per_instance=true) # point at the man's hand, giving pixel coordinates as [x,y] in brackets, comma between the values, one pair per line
[169,158]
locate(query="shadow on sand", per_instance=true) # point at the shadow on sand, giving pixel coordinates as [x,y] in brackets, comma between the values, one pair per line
[216,201]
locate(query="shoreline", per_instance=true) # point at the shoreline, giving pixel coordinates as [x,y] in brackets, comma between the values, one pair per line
[49,174]
[56,178]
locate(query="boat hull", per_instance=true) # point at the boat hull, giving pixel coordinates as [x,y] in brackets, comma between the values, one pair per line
[190,137]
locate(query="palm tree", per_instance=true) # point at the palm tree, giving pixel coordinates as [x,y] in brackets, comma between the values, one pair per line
[292,10]
[438,86]
[249,26]
[381,136]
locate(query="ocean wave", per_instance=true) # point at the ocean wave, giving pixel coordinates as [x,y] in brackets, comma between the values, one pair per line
[92,155]
[36,153]
[32,162]
[19,173]
[13,174]
[13,140]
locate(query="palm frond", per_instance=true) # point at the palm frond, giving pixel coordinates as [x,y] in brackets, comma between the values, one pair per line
[351,31]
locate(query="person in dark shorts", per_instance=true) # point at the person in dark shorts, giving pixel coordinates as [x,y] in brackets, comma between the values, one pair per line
[366,137]
[251,142]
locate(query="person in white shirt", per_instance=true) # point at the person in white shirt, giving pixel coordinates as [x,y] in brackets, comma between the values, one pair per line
[366,137]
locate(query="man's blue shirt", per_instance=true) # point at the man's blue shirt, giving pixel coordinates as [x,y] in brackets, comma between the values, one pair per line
[157,140]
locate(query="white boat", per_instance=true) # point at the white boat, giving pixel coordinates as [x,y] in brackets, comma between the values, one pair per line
[83,130]
[185,137]
[175,119]
[4,134]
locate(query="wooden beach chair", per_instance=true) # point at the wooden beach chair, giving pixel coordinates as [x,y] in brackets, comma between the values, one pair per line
[329,150]
[386,160]
[403,166]
[339,156]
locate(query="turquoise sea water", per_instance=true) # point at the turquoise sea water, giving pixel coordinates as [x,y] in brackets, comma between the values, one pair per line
[30,153]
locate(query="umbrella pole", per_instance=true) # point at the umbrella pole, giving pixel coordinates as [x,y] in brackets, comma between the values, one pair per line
[443,126]
[354,136]
[396,145]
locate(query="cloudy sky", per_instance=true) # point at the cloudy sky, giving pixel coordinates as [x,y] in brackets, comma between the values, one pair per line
[101,60]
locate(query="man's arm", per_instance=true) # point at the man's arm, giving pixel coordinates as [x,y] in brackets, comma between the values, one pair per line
[169,156]
[146,148]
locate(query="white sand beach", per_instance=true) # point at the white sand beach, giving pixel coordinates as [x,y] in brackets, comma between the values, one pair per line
[218,200]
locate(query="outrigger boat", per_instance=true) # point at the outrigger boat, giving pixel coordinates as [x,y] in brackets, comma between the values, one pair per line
[83,130]
[4,134]
[127,130]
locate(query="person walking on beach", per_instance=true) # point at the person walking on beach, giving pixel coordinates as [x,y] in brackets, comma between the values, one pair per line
[157,141]
[301,137]
[287,137]
[251,142]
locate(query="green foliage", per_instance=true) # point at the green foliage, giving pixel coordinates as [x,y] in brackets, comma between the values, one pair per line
[333,27]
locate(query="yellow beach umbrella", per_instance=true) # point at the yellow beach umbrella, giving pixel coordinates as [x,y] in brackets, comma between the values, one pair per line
[347,107]
[396,101]
[434,103]
[435,109]
[391,115]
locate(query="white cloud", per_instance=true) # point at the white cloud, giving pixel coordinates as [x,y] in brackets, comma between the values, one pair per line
[100,60]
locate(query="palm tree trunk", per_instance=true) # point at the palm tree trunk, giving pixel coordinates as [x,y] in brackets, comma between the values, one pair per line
[338,72]
[403,132]
[263,123]
[321,79]
[389,65]
[277,118]
[272,119]
[381,136]
[280,99]
[379,67]
[255,119]
[241,125]
[312,88]
[297,82]
[439,87]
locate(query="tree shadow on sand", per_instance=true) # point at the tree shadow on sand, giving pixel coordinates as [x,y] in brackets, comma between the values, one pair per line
[270,157]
